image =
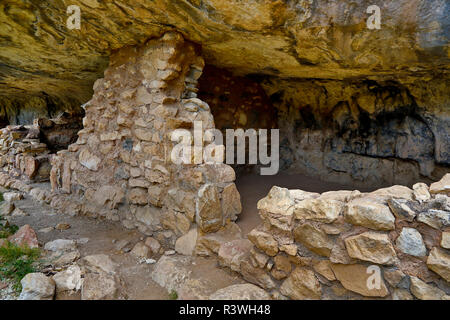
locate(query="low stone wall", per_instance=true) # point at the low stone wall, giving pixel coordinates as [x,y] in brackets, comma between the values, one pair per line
[392,244]
[120,167]
[26,150]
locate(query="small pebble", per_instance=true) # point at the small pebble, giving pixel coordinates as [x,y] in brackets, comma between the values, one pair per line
[169,252]
[62,226]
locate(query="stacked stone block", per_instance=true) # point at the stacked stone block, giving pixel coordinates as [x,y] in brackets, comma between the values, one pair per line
[120,167]
[334,245]
[26,150]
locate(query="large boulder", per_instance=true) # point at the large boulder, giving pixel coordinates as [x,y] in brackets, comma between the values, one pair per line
[37,286]
[25,236]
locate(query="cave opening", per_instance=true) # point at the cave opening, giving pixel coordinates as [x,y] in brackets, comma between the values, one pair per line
[333,135]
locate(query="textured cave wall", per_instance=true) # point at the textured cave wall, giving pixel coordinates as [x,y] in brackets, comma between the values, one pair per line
[24,109]
[357,132]
[296,38]
[361,131]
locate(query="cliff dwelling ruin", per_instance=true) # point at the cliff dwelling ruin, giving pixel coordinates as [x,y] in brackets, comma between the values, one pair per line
[363,150]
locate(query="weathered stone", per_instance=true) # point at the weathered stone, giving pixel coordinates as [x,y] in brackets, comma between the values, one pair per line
[231,253]
[394,277]
[240,292]
[397,191]
[108,196]
[300,195]
[445,241]
[355,277]
[371,246]
[208,244]
[149,215]
[410,242]
[68,280]
[370,214]
[36,286]
[62,226]
[435,218]
[63,258]
[100,263]
[89,160]
[314,239]
[185,245]
[401,294]
[12,196]
[322,210]
[339,253]
[401,209]
[278,201]
[138,196]
[302,284]
[98,286]
[264,241]
[25,236]
[256,276]
[421,192]
[323,267]
[231,202]
[220,173]
[153,244]
[6,208]
[442,186]
[171,272]
[424,291]
[60,245]
[140,250]
[439,262]
[19,213]
[208,209]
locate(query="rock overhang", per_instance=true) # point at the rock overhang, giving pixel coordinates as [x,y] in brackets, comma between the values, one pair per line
[294,39]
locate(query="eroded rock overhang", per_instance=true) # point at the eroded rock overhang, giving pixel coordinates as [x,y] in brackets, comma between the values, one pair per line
[287,39]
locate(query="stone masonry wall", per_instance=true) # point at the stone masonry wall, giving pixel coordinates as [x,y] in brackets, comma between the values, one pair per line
[326,246]
[26,150]
[120,166]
